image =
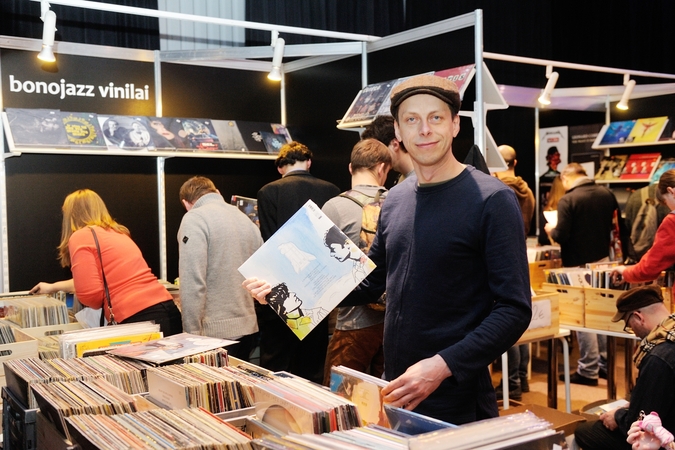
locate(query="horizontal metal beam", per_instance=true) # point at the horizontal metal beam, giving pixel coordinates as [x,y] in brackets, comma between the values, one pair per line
[109,7]
[71,48]
[444,26]
[575,66]
[290,51]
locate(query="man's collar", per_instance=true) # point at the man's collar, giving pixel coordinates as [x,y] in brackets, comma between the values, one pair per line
[295,171]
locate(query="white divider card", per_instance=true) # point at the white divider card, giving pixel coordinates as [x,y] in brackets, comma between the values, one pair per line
[541,314]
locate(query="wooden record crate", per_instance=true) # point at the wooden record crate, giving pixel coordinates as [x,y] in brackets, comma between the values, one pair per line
[571,302]
[537,268]
[25,346]
[545,316]
[600,307]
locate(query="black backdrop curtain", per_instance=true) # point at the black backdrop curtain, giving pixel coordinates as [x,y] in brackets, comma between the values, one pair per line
[22,18]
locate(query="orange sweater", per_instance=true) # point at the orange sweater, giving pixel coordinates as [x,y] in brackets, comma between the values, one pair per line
[131,283]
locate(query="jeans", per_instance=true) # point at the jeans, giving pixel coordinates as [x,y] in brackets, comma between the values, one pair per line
[592,354]
[357,349]
[519,359]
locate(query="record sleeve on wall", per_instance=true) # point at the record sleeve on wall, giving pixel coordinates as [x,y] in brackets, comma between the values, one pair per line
[229,135]
[36,128]
[198,133]
[83,130]
[126,133]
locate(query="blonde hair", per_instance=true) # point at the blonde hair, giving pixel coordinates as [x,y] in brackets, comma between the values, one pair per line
[556,192]
[84,208]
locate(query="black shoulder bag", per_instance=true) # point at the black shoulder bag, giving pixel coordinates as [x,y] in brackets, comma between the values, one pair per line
[105,285]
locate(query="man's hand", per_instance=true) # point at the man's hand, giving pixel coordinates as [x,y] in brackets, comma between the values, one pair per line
[417,383]
[608,419]
[617,274]
[258,289]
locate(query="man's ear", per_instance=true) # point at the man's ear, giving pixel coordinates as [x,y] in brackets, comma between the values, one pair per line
[309,164]
[350,169]
[397,133]
[188,206]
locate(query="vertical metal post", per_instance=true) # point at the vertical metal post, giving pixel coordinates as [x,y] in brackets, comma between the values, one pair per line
[161,186]
[282,93]
[537,146]
[479,106]
[364,64]
[4,241]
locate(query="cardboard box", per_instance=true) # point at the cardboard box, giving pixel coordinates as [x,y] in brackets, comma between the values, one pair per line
[545,317]
[571,302]
[560,421]
[537,268]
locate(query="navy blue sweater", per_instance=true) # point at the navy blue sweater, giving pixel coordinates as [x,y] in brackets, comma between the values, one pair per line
[453,260]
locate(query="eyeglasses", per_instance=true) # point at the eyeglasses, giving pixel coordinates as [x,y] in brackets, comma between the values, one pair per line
[627,328]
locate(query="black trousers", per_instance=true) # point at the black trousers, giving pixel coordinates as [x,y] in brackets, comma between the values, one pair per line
[166,314]
[280,348]
[244,347]
[595,436]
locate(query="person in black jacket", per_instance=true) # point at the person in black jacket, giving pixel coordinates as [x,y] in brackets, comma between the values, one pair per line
[280,349]
[585,223]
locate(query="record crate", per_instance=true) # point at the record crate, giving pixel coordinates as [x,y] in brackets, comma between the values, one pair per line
[537,268]
[545,316]
[25,346]
[600,307]
[571,302]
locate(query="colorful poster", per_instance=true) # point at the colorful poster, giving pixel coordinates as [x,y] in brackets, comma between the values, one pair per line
[617,132]
[311,266]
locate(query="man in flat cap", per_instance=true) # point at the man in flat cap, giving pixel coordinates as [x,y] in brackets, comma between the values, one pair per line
[644,313]
[450,252]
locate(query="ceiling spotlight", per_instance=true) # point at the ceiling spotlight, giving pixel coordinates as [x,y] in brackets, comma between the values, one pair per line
[278,44]
[545,97]
[630,84]
[48,32]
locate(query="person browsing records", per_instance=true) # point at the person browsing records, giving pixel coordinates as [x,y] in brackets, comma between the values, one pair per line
[661,255]
[135,293]
[455,302]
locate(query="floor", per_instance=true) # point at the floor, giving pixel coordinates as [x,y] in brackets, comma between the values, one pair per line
[581,395]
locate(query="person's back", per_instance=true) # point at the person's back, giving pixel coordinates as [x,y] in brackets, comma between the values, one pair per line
[585,219]
[522,190]
[214,239]
[280,349]
[280,199]
[634,204]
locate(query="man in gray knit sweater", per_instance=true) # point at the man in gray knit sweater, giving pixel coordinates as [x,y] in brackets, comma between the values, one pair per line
[214,239]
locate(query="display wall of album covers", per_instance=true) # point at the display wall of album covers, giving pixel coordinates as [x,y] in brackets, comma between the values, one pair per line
[126,133]
[37,128]
[83,130]
[229,135]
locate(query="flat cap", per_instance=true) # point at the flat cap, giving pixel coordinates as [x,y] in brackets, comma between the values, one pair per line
[636,298]
[439,87]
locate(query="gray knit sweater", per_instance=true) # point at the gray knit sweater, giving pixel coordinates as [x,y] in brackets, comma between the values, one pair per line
[214,239]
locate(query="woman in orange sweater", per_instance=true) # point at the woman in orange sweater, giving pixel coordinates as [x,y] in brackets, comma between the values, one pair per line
[135,293]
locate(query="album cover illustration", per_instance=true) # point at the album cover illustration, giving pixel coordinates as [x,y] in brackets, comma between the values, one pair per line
[36,128]
[83,130]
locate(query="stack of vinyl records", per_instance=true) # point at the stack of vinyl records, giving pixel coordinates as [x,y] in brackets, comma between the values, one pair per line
[35,311]
[6,335]
[62,399]
[21,374]
[197,385]
[88,341]
[157,429]
[370,437]
[295,405]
